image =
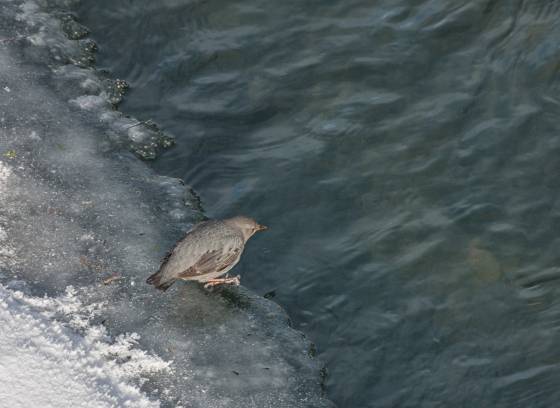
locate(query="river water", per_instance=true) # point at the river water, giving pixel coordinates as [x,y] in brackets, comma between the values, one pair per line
[406,157]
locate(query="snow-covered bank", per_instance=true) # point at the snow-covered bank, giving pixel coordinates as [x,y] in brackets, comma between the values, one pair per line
[44,363]
[76,208]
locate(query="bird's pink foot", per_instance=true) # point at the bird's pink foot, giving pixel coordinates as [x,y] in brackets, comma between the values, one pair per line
[222,281]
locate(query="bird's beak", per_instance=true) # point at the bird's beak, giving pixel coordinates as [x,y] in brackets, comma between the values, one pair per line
[262,227]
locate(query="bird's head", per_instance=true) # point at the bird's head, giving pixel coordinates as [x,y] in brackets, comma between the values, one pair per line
[248,226]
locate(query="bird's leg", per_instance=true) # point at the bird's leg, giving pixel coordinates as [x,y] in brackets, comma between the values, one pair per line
[222,281]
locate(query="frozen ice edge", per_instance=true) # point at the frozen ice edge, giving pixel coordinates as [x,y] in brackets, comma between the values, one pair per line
[75,210]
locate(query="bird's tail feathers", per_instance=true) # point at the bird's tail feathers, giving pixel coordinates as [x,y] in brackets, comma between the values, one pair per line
[155,280]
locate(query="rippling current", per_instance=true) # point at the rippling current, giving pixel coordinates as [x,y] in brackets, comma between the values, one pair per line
[406,156]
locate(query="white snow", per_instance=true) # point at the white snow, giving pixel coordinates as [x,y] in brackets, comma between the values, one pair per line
[4,174]
[90,102]
[6,250]
[46,363]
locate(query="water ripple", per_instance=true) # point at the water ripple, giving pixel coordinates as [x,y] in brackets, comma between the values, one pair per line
[405,155]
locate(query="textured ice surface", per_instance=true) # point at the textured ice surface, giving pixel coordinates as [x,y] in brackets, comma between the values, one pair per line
[76,209]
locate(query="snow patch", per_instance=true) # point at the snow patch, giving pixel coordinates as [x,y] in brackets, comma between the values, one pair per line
[5,172]
[34,136]
[90,102]
[7,252]
[45,362]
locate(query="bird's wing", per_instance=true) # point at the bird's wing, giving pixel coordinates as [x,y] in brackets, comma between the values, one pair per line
[212,261]
[167,256]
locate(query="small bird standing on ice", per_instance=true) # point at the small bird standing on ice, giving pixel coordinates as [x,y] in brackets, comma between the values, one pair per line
[209,250]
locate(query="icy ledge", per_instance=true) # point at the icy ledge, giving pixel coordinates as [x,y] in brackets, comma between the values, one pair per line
[76,209]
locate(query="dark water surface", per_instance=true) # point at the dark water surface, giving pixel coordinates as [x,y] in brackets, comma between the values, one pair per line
[406,155]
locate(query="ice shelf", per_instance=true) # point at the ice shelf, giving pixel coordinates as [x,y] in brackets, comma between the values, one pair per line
[83,222]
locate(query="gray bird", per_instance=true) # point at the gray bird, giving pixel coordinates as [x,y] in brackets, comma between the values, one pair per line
[209,250]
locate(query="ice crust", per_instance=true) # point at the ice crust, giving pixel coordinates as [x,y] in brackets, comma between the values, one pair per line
[75,209]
